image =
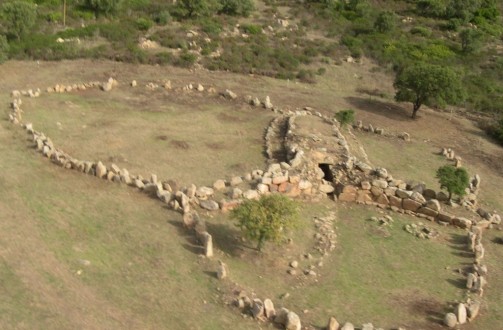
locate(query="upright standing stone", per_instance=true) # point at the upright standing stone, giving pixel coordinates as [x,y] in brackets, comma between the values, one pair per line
[292,322]
[333,324]
[269,310]
[222,270]
[461,313]
[208,244]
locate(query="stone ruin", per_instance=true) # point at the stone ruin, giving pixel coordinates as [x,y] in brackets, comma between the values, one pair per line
[301,165]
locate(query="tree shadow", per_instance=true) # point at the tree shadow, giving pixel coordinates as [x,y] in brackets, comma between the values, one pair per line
[224,238]
[382,108]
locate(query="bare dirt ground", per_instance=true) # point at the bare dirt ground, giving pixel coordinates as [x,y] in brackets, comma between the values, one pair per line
[50,219]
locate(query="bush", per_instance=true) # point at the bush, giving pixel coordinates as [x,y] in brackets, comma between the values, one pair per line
[306,76]
[471,40]
[18,17]
[496,131]
[236,7]
[106,7]
[186,60]
[144,24]
[266,219]
[251,29]
[455,180]
[385,22]
[345,117]
[4,49]
[421,30]
[162,18]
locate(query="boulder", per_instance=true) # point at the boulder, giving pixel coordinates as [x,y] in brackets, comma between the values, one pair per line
[209,205]
[450,320]
[203,192]
[366,185]
[410,205]
[427,211]
[305,184]
[251,194]
[326,188]
[381,172]
[189,219]
[383,200]
[101,170]
[395,201]
[471,278]
[281,316]
[363,196]
[418,197]
[237,180]
[473,309]
[333,324]
[462,222]
[219,185]
[461,313]
[222,270]
[348,326]
[230,94]
[441,196]
[433,204]
[376,191]
[236,193]
[390,191]
[347,197]
[349,189]
[267,103]
[208,244]
[292,322]
[429,194]
[367,326]
[445,217]
[403,193]
[279,179]
[257,308]
[380,183]
[262,188]
[269,310]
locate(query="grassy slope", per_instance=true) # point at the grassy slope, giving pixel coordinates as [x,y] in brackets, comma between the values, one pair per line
[50,219]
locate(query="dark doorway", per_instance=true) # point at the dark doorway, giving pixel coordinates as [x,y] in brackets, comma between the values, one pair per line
[329,176]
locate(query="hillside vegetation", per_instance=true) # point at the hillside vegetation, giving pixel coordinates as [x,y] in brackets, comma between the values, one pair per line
[284,39]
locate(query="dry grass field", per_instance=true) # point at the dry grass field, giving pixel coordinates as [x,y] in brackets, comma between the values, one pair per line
[145,270]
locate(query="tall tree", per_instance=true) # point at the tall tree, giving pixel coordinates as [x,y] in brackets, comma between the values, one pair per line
[428,84]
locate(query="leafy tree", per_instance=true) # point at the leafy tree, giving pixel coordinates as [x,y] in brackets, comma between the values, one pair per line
[385,22]
[197,8]
[455,180]
[237,7]
[345,117]
[470,40]
[4,48]
[428,84]
[266,219]
[19,17]
[106,7]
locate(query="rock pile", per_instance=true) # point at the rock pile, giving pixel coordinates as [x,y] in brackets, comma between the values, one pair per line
[420,230]
[359,126]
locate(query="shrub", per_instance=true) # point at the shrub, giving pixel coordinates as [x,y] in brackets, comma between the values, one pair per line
[266,219]
[18,17]
[106,7]
[306,76]
[496,131]
[251,29]
[385,22]
[454,180]
[345,117]
[144,24]
[421,30]
[237,7]
[470,40]
[4,49]
[186,60]
[162,18]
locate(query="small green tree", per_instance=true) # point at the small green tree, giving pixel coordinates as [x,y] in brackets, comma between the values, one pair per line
[267,218]
[197,8]
[106,7]
[455,180]
[237,7]
[471,40]
[345,117]
[18,17]
[428,84]
[385,22]
[4,49]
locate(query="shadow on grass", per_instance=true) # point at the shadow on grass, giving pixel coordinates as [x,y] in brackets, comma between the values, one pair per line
[458,283]
[191,244]
[432,310]
[382,108]
[225,239]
